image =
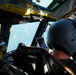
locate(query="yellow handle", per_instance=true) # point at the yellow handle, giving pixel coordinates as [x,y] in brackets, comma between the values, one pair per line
[69,70]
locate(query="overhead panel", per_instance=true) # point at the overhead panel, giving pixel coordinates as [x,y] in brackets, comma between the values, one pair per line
[62,8]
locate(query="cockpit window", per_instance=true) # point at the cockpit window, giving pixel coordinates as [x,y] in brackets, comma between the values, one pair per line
[22,33]
[42,2]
